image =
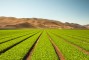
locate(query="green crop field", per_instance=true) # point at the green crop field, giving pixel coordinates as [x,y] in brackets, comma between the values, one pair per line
[44,44]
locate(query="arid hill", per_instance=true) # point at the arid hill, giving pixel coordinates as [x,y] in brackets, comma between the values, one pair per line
[12,22]
[87,26]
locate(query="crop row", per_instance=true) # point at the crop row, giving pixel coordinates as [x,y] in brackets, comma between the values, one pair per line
[81,43]
[11,43]
[19,51]
[44,49]
[69,51]
[42,44]
[14,36]
[12,33]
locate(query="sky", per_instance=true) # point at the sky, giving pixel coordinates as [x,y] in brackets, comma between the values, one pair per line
[73,11]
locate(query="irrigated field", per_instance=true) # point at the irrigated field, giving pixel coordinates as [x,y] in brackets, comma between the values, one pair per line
[44,44]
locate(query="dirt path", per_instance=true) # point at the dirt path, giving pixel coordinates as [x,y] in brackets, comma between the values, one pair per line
[28,56]
[78,47]
[60,55]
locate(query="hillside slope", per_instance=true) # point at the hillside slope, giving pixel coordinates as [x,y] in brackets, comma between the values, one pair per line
[12,22]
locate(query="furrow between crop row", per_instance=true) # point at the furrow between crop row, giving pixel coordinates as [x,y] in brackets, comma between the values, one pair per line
[69,51]
[81,49]
[12,38]
[8,45]
[20,51]
[44,49]
[28,55]
[76,37]
[60,55]
[11,34]
[83,45]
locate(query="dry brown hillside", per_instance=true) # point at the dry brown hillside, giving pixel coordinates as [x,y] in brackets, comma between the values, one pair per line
[12,22]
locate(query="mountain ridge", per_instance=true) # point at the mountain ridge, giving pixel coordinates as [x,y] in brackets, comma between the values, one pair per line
[12,22]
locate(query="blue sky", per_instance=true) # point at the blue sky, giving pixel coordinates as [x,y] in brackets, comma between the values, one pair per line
[75,11]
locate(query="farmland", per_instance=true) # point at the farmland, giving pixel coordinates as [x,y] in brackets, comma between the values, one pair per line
[44,44]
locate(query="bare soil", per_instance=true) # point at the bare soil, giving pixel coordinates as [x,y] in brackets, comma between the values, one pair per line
[30,52]
[60,55]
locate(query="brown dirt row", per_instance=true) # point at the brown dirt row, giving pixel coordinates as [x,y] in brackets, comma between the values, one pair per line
[78,47]
[33,47]
[60,55]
